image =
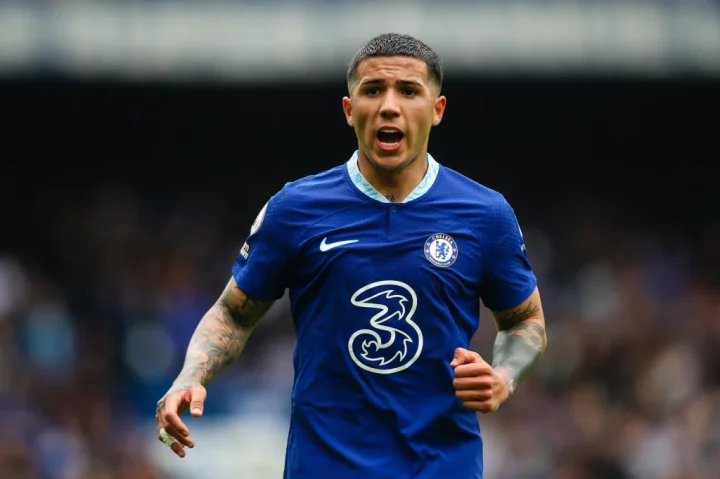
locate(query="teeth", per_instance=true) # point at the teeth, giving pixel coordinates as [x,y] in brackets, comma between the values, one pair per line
[389,130]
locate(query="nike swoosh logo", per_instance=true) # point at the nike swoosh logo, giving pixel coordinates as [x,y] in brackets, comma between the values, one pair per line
[325,246]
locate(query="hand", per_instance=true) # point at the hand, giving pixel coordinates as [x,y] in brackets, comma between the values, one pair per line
[171,430]
[477,384]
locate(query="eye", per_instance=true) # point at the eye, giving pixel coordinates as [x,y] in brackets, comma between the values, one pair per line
[408,92]
[372,91]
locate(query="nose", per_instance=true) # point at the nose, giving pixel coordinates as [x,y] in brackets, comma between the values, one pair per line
[390,107]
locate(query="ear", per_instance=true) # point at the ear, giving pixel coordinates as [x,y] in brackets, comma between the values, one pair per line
[440,104]
[347,109]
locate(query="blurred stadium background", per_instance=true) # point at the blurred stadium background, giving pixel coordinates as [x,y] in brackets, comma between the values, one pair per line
[141,138]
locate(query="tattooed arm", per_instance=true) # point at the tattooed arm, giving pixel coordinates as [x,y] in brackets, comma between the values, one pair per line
[521,339]
[218,340]
[221,336]
[519,345]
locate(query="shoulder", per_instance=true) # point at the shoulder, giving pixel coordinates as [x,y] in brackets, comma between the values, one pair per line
[491,217]
[467,186]
[295,195]
[309,188]
[476,203]
[302,202]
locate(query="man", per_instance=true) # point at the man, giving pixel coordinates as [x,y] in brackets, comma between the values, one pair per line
[385,258]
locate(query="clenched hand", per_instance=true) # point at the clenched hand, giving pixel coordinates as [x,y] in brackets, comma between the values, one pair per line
[479,386]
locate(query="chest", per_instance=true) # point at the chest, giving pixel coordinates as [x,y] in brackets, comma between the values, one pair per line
[421,246]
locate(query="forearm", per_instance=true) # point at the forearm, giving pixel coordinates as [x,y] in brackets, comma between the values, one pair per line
[217,341]
[220,337]
[518,349]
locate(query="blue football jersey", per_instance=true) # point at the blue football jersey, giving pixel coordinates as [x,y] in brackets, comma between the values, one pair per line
[381,296]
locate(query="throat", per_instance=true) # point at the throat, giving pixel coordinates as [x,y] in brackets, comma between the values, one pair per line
[393,185]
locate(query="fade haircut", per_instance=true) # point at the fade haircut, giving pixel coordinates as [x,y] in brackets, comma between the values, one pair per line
[396,44]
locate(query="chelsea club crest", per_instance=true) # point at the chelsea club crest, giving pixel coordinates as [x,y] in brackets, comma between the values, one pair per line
[441,250]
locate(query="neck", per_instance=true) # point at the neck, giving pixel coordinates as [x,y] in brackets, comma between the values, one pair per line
[396,184]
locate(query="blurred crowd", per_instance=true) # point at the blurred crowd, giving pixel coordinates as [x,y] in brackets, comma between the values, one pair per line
[94,323]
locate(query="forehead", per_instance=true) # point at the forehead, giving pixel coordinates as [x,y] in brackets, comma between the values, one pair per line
[393,68]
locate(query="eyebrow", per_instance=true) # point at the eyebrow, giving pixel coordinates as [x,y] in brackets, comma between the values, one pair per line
[376,81]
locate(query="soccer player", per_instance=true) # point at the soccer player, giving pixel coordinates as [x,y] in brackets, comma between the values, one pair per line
[386,258]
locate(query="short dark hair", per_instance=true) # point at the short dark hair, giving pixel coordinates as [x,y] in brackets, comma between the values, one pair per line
[396,44]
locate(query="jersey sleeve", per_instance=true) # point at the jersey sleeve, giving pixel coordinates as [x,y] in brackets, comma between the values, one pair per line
[262,266]
[508,278]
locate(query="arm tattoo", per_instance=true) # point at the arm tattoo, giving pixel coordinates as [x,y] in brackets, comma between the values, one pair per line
[520,342]
[531,332]
[513,317]
[219,338]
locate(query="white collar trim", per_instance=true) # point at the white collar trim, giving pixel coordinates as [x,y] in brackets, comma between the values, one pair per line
[366,188]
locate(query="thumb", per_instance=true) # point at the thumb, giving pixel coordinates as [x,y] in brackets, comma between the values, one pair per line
[197,400]
[463,356]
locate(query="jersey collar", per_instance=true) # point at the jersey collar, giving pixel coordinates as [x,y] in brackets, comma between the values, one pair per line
[366,188]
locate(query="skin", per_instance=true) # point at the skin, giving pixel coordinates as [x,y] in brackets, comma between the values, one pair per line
[398,91]
[519,345]
[393,91]
[386,91]
[218,340]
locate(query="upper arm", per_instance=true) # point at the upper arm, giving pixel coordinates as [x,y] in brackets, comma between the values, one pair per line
[244,310]
[507,276]
[262,268]
[529,309]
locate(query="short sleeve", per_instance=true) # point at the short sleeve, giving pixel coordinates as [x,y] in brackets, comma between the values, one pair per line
[262,266]
[508,278]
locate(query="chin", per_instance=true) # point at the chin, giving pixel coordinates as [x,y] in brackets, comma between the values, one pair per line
[390,161]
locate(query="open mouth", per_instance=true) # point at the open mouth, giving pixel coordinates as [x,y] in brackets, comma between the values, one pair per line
[389,139]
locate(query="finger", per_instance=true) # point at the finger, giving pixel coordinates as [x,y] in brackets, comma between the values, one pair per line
[170,415]
[184,440]
[197,400]
[473,370]
[474,395]
[485,407]
[475,382]
[170,441]
[177,449]
[463,356]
